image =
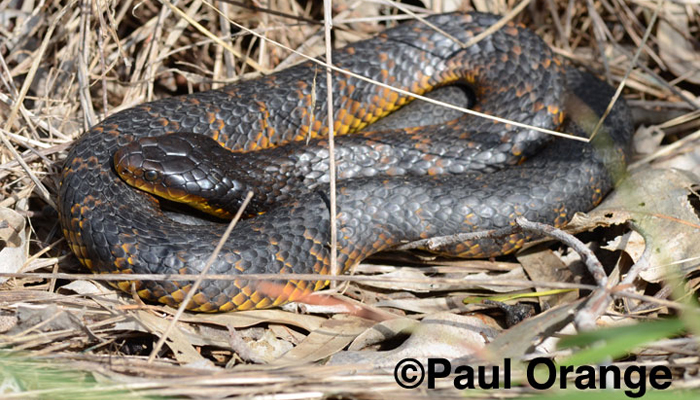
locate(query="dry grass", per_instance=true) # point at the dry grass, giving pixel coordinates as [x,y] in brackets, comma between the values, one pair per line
[64,66]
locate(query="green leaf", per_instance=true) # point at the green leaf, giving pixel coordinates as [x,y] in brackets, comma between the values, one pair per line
[617,342]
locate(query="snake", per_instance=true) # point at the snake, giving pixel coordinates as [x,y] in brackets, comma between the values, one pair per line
[395,184]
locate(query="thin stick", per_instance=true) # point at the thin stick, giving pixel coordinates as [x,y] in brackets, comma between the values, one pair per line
[43,192]
[215,38]
[643,262]
[38,58]
[33,119]
[89,116]
[253,7]
[633,62]
[557,24]
[437,242]
[666,150]
[327,26]
[200,278]
[426,22]
[587,256]
[498,25]
[101,33]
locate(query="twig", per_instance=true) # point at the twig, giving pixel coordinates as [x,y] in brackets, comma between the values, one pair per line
[328,25]
[587,256]
[595,306]
[229,60]
[266,10]
[43,192]
[215,38]
[557,25]
[522,224]
[89,117]
[598,28]
[37,58]
[426,22]
[643,262]
[633,62]
[666,150]
[440,241]
[152,53]
[498,25]
[102,28]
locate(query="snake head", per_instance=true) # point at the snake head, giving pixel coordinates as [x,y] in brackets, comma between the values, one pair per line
[182,167]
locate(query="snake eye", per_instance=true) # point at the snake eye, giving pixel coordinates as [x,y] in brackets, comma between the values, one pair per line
[150,175]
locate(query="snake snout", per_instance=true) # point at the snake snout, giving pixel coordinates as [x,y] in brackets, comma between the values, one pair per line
[179,167]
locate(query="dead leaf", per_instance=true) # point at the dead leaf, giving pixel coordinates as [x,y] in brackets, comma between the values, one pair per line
[444,334]
[382,332]
[7,322]
[408,279]
[658,202]
[44,318]
[331,337]
[89,288]
[320,302]
[517,340]
[177,341]
[268,347]
[515,274]
[213,330]
[14,243]
[428,305]
[423,280]
[11,228]
[244,319]
[632,243]
[545,266]
[676,47]
[262,348]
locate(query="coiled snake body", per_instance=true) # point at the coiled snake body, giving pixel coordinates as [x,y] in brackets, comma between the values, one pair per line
[465,175]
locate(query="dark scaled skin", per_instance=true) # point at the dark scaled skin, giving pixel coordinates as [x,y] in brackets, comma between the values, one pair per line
[196,170]
[399,186]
